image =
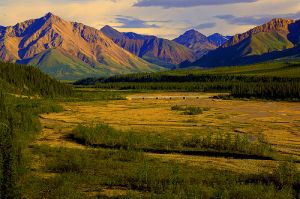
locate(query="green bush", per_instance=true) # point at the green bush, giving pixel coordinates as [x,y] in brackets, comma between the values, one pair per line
[178,108]
[19,124]
[65,162]
[231,143]
[286,174]
[189,110]
[92,135]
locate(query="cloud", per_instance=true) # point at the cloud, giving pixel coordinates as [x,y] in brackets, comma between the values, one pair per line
[97,13]
[187,3]
[205,25]
[255,20]
[131,22]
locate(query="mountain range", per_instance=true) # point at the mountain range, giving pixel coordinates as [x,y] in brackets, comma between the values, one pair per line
[67,50]
[197,42]
[218,39]
[71,50]
[275,40]
[152,49]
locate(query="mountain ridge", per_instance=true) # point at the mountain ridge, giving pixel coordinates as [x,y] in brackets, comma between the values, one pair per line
[260,43]
[196,41]
[30,38]
[151,48]
[218,39]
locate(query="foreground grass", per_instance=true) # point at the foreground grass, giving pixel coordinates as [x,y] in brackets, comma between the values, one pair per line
[87,173]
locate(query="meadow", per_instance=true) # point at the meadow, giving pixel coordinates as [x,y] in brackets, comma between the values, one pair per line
[145,146]
[149,142]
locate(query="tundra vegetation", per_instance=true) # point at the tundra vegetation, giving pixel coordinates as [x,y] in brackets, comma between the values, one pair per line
[61,142]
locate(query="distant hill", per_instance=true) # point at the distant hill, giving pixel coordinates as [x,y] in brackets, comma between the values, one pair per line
[28,80]
[67,50]
[153,49]
[255,72]
[218,39]
[277,39]
[197,42]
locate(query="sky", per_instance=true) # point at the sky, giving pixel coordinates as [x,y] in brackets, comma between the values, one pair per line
[163,18]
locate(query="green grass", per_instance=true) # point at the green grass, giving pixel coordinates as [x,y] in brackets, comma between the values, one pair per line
[64,67]
[19,124]
[80,172]
[234,145]
[118,162]
[82,95]
[271,42]
[60,65]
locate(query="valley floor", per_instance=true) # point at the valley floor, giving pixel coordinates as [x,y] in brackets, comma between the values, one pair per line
[150,113]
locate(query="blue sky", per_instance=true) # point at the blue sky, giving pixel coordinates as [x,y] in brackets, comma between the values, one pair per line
[165,18]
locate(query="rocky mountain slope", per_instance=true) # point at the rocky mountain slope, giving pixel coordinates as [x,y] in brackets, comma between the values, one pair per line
[197,42]
[153,49]
[218,39]
[67,50]
[276,39]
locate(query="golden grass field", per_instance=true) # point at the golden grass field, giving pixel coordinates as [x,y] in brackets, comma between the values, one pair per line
[144,113]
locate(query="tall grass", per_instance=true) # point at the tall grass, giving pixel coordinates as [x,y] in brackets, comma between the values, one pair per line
[230,142]
[18,125]
[150,177]
[105,136]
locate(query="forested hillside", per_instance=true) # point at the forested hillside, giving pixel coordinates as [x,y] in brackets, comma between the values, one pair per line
[28,80]
[24,94]
[274,80]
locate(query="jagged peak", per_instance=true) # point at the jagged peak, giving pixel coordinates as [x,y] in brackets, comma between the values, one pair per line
[110,30]
[281,20]
[276,24]
[193,32]
[217,34]
[107,27]
[51,16]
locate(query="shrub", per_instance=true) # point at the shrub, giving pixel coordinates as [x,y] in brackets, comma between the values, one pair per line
[229,142]
[93,135]
[189,110]
[65,162]
[286,174]
[193,110]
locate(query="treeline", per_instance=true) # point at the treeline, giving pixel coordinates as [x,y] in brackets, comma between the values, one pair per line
[29,80]
[18,124]
[158,77]
[170,86]
[268,90]
[241,86]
